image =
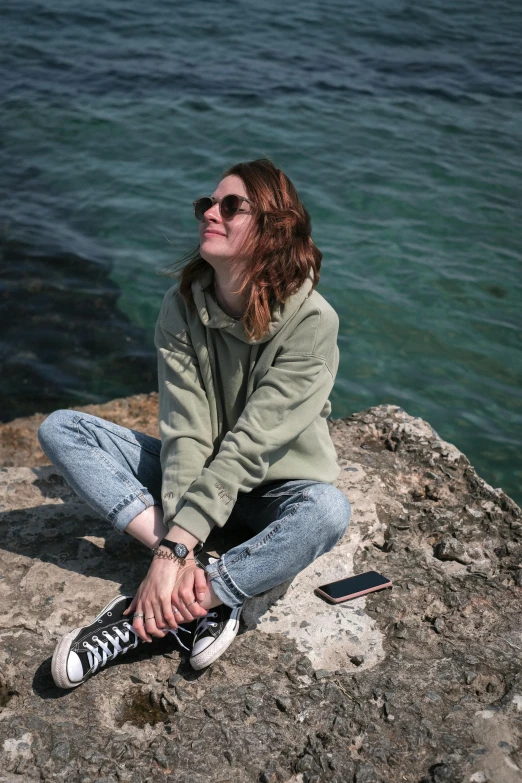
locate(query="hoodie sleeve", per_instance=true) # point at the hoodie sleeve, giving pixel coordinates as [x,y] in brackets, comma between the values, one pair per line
[184,416]
[291,395]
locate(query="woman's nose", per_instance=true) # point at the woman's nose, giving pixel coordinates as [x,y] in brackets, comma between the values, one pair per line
[213,213]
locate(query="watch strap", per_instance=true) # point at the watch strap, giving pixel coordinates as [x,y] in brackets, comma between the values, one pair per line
[173,544]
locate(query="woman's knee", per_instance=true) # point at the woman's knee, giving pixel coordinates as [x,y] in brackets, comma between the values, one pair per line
[52,432]
[334,510]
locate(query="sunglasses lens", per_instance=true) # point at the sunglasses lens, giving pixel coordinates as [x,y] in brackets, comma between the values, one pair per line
[201,206]
[230,206]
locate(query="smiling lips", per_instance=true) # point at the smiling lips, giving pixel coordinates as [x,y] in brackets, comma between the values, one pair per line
[211,231]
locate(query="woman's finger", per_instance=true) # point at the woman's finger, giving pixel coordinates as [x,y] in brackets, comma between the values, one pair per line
[181,596]
[153,630]
[154,622]
[168,614]
[186,593]
[132,605]
[191,604]
[200,583]
[139,626]
[184,615]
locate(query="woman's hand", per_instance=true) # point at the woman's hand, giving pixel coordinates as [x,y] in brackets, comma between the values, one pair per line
[153,600]
[188,593]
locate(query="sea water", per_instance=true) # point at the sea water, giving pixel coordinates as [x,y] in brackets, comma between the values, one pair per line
[400,124]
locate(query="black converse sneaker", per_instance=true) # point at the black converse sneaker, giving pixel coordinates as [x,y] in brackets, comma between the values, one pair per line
[214,633]
[83,651]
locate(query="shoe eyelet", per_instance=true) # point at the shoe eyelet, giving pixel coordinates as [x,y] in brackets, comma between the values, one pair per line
[109,614]
[85,644]
[100,621]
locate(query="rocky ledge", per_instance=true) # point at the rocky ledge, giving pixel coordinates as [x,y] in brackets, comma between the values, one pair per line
[420,683]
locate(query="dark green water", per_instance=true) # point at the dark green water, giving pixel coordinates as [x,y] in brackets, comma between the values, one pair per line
[401,126]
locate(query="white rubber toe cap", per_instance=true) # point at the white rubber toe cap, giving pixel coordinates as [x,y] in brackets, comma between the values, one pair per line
[201,645]
[74,668]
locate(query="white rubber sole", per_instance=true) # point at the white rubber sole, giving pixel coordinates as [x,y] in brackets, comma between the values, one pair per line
[217,648]
[61,653]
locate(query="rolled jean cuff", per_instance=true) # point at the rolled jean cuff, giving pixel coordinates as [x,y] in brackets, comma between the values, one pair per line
[224,586]
[128,508]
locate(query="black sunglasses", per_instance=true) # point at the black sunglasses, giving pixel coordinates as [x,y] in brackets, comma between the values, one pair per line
[228,206]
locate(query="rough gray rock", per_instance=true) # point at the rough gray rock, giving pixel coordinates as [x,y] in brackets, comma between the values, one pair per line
[420,683]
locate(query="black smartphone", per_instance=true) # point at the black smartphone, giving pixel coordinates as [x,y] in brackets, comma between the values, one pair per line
[353,587]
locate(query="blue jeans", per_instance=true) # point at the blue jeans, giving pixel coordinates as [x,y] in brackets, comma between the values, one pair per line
[117,471]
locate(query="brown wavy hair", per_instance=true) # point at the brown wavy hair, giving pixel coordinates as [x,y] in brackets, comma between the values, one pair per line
[280,251]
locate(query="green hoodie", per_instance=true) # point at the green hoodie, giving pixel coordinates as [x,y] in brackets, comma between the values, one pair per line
[238,413]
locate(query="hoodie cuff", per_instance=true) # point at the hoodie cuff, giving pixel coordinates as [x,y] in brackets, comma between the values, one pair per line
[194,521]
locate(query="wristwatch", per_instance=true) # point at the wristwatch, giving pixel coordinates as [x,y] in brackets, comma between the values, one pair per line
[180,550]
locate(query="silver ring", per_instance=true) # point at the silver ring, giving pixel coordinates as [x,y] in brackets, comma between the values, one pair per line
[174,609]
[138,615]
[192,602]
[150,618]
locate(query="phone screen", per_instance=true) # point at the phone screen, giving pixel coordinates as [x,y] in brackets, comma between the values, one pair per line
[354,584]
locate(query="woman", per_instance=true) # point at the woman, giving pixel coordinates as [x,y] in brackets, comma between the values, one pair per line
[247,357]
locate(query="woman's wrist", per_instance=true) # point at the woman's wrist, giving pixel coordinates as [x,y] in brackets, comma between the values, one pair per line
[182,536]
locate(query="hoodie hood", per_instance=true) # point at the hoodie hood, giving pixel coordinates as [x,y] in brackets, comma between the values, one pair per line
[213,317]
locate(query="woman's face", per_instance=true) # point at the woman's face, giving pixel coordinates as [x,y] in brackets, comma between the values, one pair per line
[221,240]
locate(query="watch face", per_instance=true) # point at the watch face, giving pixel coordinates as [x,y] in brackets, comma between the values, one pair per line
[181,550]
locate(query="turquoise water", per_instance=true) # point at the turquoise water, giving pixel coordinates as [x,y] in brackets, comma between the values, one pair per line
[401,126]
